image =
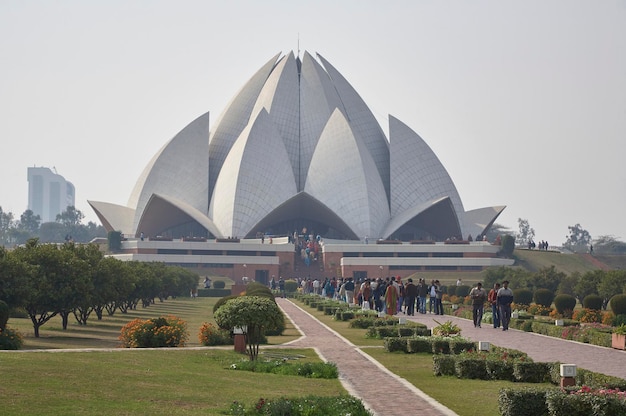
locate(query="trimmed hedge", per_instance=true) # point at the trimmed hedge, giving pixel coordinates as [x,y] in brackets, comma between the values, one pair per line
[522,402]
[564,302]
[213,293]
[593,301]
[618,304]
[543,297]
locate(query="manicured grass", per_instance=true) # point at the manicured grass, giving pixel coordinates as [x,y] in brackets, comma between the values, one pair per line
[142,382]
[105,333]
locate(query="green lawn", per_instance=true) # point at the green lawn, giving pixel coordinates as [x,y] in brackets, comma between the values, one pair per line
[183,381]
[104,333]
[141,382]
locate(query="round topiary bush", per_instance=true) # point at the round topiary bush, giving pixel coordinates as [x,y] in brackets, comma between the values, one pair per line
[592,302]
[291,286]
[522,296]
[618,304]
[222,301]
[564,302]
[258,289]
[543,297]
[461,290]
[219,284]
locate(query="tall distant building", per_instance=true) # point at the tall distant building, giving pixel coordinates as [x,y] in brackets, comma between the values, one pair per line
[49,194]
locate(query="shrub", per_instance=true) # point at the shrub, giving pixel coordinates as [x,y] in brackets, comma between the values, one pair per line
[593,301]
[222,301]
[619,320]
[462,291]
[446,329]
[536,309]
[362,322]
[213,293]
[291,286]
[586,315]
[451,291]
[309,405]
[258,289]
[543,297]
[441,345]
[10,339]
[531,372]
[395,344]
[522,402]
[618,304]
[210,335]
[471,366]
[564,302]
[499,369]
[443,365]
[219,284]
[522,296]
[459,345]
[309,370]
[4,314]
[419,344]
[168,331]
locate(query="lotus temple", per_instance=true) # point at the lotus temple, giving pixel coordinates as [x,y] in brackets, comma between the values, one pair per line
[296,176]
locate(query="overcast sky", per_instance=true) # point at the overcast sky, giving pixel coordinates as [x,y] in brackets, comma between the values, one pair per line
[524,102]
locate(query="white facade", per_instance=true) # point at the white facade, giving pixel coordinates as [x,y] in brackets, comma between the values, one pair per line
[296,148]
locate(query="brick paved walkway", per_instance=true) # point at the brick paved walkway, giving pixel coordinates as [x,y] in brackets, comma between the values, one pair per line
[400,397]
[539,347]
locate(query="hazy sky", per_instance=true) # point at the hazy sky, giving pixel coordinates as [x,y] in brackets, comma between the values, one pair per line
[524,102]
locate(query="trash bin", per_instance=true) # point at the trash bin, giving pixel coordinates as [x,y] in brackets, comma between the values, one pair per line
[240,340]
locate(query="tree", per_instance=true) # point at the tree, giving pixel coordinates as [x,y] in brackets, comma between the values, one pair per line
[588,284]
[578,237]
[546,278]
[254,313]
[608,244]
[497,230]
[507,246]
[568,283]
[92,256]
[613,283]
[526,234]
[30,222]
[13,274]
[6,222]
[71,217]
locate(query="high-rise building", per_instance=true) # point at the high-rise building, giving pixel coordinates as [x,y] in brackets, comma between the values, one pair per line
[49,194]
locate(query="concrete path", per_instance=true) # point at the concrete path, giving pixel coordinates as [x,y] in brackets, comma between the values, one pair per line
[361,375]
[539,347]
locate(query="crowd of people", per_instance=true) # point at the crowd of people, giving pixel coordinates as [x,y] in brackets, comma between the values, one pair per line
[392,296]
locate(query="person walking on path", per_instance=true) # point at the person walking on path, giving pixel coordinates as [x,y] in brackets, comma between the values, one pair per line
[493,301]
[410,292]
[438,298]
[478,296]
[505,298]
[391,299]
